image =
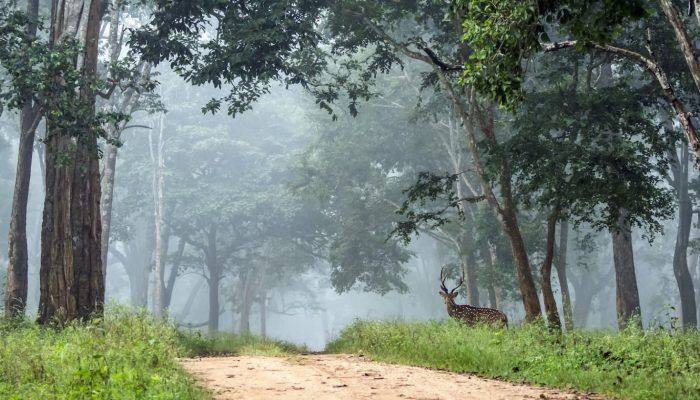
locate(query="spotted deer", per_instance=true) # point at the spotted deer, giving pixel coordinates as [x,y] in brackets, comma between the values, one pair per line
[466,313]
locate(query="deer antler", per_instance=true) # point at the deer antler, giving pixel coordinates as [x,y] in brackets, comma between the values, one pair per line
[459,282]
[442,280]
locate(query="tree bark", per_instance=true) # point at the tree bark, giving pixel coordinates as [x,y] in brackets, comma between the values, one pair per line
[561,274]
[263,313]
[248,297]
[530,299]
[654,68]
[492,259]
[683,38]
[214,283]
[71,280]
[550,304]
[680,254]
[213,263]
[158,161]
[18,264]
[627,294]
[137,259]
[172,277]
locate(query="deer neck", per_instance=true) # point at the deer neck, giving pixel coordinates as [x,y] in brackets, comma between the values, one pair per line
[452,306]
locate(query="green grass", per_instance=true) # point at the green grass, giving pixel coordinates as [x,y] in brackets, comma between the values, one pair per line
[654,364]
[196,344]
[127,355]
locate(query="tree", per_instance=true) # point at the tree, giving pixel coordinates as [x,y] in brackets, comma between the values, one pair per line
[298,58]
[72,284]
[59,77]
[133,78]
[18,265]
[593,158]
[495,66]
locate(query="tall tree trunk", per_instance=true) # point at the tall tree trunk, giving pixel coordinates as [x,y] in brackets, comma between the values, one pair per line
[582,306]
[263,313]
[71,280]
[172,277]
[561,274]
[550,304]
[530,299]
[110,163]
[165,247]
[469,268]
[158,161]
[211,259]
[627,294]
[214,283]
[18,264]
[491,258]
[139,259]
[110,152]
[248,296]
[680,254]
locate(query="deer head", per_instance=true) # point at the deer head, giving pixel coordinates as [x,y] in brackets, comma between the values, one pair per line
[449,295]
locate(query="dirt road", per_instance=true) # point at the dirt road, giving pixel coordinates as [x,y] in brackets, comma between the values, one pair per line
[330,377]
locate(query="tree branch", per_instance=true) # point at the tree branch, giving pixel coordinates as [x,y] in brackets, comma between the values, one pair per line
[651,66]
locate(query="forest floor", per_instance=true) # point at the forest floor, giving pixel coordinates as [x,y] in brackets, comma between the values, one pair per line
[342,376]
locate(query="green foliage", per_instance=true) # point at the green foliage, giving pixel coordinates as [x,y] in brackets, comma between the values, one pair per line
[45,73]
[255,43]
[125,356]
[634,364]
[590,150]
[196,344]
[502,34]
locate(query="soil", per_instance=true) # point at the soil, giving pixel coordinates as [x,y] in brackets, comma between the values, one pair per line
[329,377]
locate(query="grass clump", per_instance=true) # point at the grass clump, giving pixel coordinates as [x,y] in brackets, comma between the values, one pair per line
[127,355]
[194,343]
[634,364]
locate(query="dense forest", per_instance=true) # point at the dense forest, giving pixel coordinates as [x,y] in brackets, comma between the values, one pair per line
[283,167]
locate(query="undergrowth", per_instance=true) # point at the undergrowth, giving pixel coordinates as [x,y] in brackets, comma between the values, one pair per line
[126,355]
[634,364]
[197,344]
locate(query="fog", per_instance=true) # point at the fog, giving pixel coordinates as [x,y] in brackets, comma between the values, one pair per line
[286,216]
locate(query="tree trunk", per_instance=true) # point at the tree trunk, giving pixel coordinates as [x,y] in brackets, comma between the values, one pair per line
[506,213]
[680,254]
[491,258]
[466,256]
[158,162]
[71,283]
[263,313]
[684,40]
[165,247]
[170,284]
[248,295]
[211,259]
[18,264]
[110,152]
[110,163]
[561,274]
[137,262]
[531,301]
[582,306]
[214,282]
[493,303]
[550,304]
[626,292]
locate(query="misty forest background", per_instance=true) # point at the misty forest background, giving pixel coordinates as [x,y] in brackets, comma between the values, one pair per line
[350,156]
